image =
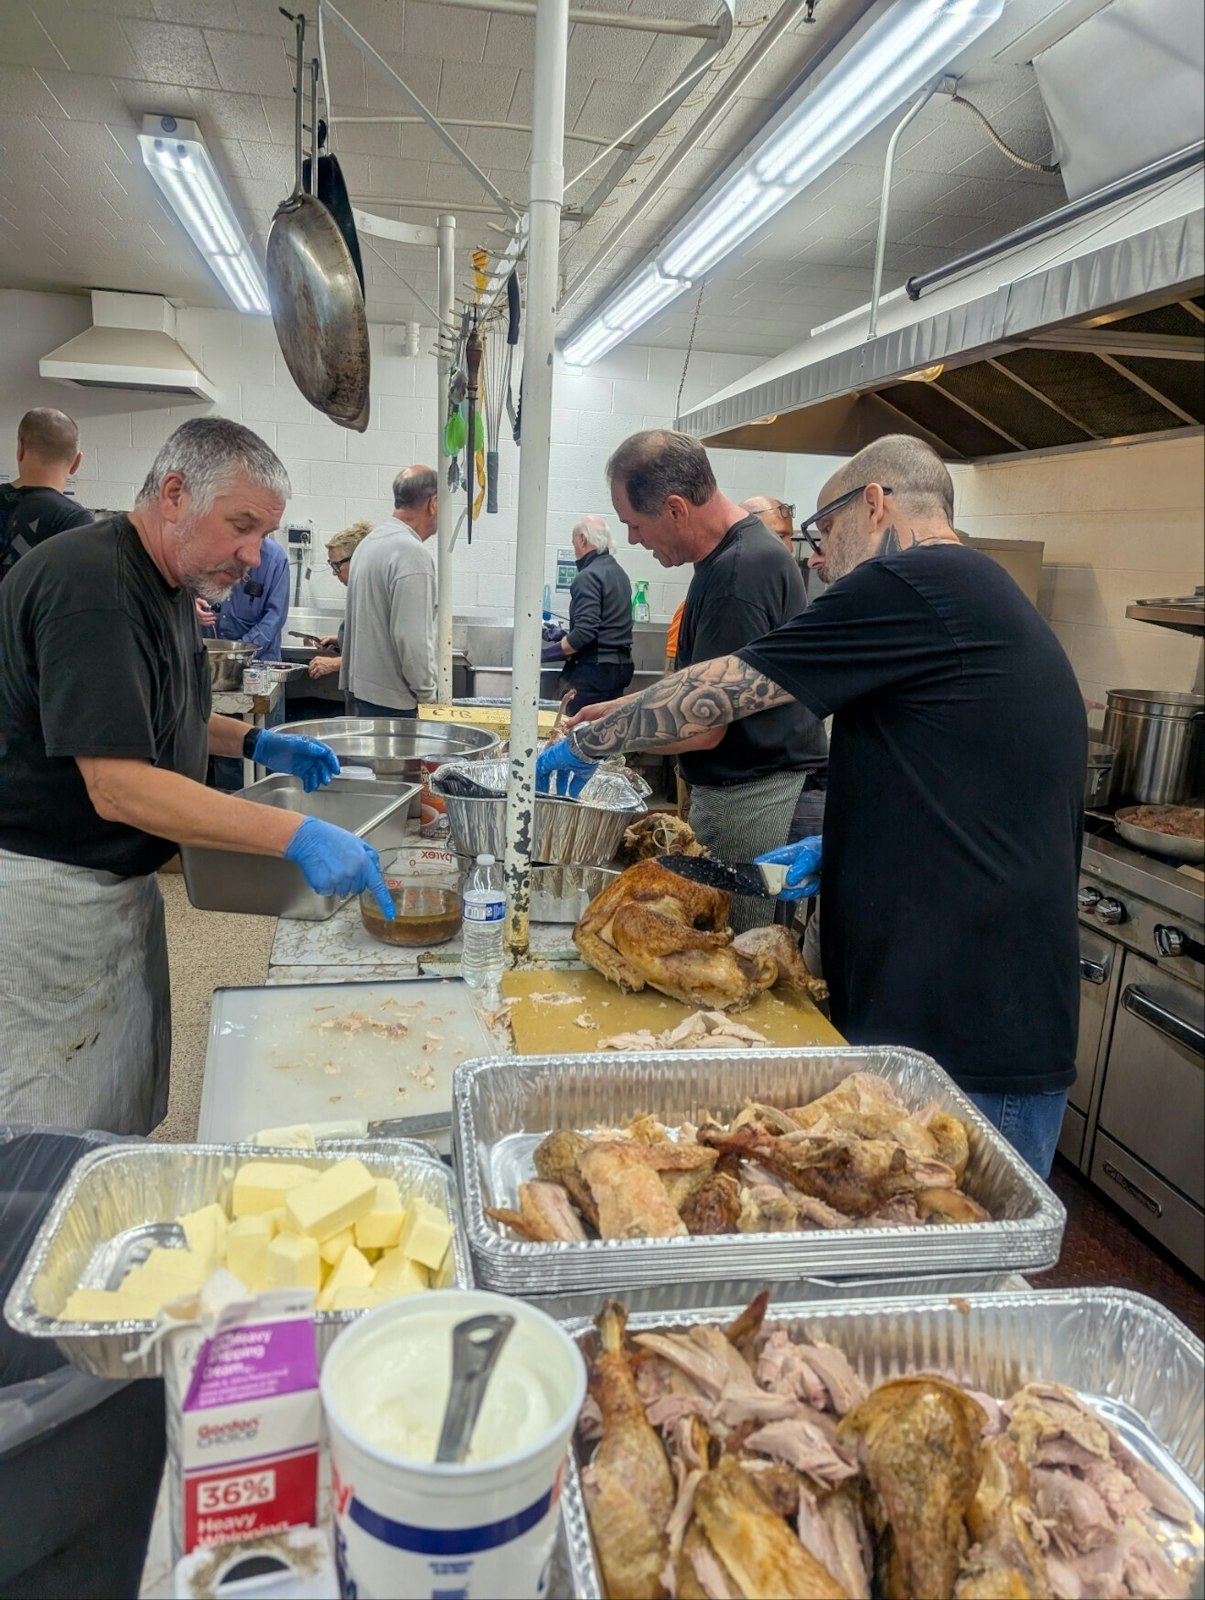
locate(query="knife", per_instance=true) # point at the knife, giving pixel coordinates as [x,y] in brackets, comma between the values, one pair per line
[737,877]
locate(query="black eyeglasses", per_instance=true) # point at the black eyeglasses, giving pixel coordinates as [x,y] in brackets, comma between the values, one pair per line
[787,511]
[826,511]
[335,565]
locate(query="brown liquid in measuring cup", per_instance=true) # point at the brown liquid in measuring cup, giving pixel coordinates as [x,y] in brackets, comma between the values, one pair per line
[424,916]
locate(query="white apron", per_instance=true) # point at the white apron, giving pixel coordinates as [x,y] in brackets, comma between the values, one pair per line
[85,1008]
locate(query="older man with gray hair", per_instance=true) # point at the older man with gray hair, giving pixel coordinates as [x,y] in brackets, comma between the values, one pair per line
[105,729]
[389,650]
[598,646]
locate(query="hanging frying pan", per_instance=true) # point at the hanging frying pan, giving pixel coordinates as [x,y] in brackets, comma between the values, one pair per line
[331,189]
[316,298]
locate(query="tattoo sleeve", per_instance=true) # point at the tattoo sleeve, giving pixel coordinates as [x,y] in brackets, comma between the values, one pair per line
[696,700]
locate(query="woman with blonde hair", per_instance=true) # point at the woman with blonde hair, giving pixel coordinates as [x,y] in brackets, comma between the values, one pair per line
[339,551]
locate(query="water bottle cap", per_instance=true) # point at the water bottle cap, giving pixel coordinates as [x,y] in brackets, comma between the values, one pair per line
[485,861]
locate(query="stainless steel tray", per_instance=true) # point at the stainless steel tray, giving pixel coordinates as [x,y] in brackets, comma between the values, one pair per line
[110,1210]
[267,886]
[1126,1356]
[504,1107]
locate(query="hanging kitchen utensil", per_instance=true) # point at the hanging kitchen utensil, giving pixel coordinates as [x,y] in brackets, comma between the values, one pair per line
[315,294]
[331,189]
[473,352]
[512,340]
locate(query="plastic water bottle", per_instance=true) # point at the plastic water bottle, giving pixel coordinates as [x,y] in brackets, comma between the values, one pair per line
[482,958]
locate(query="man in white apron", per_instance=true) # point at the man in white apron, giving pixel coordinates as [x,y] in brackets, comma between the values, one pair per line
[105,731]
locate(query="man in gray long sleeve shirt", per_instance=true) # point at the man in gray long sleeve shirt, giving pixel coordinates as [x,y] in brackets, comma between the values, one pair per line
[598,645]
[389,639]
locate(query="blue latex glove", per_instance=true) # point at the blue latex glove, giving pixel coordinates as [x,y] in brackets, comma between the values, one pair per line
[307,759]
[803,862]
[560,772]
[336,862]
[552,653]
[552,632]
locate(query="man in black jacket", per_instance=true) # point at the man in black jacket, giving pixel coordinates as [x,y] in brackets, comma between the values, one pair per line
[33,506]
[598,646]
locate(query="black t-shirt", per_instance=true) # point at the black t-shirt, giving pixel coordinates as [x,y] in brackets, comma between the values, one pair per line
[31,513]
[99,656]
[747,586]
[954,815]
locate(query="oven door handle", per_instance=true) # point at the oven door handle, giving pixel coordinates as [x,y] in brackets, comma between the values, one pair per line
[1139,1004]
[1092,971]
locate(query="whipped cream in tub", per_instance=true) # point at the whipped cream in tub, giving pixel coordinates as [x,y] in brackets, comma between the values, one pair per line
[406,1525]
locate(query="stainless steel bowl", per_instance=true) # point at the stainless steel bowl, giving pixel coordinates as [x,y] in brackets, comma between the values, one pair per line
[561,894]
[565,832]
[227,659]
[1174,846]
[398,746]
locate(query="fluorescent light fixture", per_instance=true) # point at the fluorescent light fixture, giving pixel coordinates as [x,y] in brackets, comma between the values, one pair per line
[176,157]
[640,298]
[910,44]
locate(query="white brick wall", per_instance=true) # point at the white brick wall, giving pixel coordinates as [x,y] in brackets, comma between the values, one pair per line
[339,476]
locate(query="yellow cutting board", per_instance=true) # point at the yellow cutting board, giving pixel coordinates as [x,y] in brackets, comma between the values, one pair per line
[786,1018]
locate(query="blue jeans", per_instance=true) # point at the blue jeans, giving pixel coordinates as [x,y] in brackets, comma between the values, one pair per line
[1030,1122]
[368,708]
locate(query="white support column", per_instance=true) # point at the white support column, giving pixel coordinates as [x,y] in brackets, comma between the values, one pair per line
[543,257]
[445,248]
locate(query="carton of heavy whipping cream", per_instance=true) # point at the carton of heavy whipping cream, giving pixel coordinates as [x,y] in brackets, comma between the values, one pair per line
[243,1420]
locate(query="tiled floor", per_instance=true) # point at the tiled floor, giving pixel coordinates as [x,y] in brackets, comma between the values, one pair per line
[1103,1247]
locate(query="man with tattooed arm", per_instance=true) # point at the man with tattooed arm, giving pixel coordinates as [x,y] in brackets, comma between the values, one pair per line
[954,815]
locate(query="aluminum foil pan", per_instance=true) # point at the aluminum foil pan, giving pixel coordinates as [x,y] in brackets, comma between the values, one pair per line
[561,894]
[112,1209]
[504,1106]
[564,832]
[1126,1356]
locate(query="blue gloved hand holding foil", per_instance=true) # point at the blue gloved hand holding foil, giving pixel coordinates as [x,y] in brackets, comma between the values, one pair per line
[337,862]
[560,771]
[314,763]
[802,860]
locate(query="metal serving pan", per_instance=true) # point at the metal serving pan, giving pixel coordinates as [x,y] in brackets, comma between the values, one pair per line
[105,1220]
[1126,1356]
[398,747]
[504,1106]
[267,886]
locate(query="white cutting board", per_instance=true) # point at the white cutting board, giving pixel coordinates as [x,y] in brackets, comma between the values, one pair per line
[297,1054]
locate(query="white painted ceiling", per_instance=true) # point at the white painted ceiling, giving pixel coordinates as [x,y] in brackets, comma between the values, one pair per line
[78,210]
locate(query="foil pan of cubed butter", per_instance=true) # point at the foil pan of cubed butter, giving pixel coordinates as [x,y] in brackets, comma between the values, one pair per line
[120,1202]
[505,1106]
[1128,1359]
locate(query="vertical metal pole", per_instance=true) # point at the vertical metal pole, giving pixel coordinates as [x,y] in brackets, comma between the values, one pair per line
[543,259]
[445,256]
[880,245]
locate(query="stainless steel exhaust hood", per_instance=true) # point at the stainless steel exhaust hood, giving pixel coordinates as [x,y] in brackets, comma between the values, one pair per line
[1091,334]
[131,345]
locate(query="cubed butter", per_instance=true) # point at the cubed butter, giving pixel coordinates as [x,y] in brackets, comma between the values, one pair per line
[296,1136]
[332,1249]
[106,1305]
[189,1266]
[247,1250]
[262,1185]
[382,1227]
[206,1231]
[426,1234]
[396,1272]
[353,1272]
[335,1200]
[279,1218]
[366,1299]
[293,1262]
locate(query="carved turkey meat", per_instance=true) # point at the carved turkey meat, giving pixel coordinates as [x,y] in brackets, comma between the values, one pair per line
[653,927]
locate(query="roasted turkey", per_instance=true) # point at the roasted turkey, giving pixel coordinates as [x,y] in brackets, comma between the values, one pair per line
[653,927]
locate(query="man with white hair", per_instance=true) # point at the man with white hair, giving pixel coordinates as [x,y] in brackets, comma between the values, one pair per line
[776,517]
[105,730]
[598,646]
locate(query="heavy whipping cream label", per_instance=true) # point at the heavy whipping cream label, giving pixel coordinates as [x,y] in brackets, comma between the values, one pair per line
[243,1424]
